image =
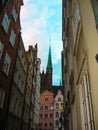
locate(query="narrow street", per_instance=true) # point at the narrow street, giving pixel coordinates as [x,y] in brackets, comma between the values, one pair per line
[48,65]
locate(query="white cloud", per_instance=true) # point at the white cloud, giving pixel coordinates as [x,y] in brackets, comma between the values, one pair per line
[41,20]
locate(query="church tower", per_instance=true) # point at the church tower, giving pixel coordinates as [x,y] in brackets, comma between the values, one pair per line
[46,78]
[49,70]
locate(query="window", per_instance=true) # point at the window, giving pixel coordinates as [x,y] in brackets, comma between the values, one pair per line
[50,124]
[57,115]
[41,115]
[95,9]
[40,124]
[1,49]
[12,37]
[57,105]
[46,107]
[62,105]
[46,99]
[41,107]
[5,22]
[59,99]
[14,13]
[76,19]
[51,115]
[46,115]
[51,107]
[45,124]
[2,94]
[6,64]
[86,104]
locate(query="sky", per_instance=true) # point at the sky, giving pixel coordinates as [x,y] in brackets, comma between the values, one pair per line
[41,23]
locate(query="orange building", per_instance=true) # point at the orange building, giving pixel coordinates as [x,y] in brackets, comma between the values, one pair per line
[46,112]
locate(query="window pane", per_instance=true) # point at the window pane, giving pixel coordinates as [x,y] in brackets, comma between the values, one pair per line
[12,37]
[6,64]
[5,22]
[46,115]
[46,107]
[46,99]
[14,13]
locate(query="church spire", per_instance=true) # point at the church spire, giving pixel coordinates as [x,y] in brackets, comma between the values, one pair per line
[49,63]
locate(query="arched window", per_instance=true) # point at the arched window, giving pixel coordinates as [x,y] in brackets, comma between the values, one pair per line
[61,114]
[57,115]
[57,105]
[62,105]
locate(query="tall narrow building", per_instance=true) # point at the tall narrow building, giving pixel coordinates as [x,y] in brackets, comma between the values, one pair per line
[9,40]
[80,63]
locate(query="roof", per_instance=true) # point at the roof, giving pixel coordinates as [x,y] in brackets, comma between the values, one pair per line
[49,63]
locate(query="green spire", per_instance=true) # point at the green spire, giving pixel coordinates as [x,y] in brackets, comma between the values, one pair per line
[49,63]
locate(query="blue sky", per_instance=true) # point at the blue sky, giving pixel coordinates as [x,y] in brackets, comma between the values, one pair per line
[41,20]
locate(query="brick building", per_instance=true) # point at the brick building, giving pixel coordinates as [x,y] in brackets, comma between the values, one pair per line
[9,40]
[46,112]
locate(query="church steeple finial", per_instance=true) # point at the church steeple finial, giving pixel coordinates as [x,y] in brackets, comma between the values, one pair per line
[49,63]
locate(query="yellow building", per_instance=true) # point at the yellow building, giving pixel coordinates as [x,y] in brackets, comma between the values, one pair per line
[80,67]
[29,90]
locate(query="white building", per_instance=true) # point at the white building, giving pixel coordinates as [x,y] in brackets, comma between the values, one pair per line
[37,91]
[58,110]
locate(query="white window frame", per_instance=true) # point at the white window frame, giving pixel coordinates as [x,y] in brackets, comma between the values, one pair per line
[5,22]
[6,64]
[12,37]
[14,14]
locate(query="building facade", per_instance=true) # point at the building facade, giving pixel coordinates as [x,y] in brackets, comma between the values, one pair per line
[79,58]
[9,40]
[46,118]
[58,110]
[17,94]
[28,92]
[37,92]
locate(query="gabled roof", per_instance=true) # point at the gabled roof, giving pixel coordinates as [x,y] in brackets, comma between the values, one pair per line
[46,92]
